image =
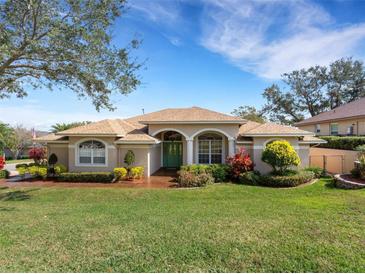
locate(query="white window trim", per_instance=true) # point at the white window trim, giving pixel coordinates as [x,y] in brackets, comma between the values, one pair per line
[77,153]
[210,158]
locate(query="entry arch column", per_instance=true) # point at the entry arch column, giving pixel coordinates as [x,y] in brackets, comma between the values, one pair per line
[189,151]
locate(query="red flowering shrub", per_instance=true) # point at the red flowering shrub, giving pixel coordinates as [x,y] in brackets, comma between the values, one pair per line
[241,162]
[37,154]
[2,162]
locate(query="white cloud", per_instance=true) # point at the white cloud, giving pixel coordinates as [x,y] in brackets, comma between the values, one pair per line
[269,38]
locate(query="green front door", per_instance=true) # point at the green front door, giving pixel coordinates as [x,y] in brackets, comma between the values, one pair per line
[172,154]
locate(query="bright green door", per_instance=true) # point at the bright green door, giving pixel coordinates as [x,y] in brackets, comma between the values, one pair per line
[172,154]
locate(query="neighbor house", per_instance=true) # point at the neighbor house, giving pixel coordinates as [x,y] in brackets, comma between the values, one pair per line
[345,120]
[170,138]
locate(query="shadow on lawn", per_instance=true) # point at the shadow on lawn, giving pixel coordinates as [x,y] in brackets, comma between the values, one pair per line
[16,195]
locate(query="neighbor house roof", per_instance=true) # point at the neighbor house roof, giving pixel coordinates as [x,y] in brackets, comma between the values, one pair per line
[186,115]
[347,111]
[312,140]
[271,129]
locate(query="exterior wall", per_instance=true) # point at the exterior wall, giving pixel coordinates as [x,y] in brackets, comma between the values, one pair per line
[141,153]
[61,151]
[190,130]
[333,160]
[155,158]
[343,125]
[111,160]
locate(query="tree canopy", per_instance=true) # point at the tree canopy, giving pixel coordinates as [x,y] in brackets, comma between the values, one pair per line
[65,43]
[308,92]
[64,126]
[249,113]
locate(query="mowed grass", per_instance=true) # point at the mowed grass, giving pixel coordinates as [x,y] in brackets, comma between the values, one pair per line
[220,228]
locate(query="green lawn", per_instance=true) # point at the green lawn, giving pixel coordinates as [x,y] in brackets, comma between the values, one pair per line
[219,228]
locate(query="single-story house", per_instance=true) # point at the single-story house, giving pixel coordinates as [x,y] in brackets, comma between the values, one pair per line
[170,138]
[345,120]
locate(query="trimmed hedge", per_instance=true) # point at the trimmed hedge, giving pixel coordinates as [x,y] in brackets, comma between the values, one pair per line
[4,174]
[86,177]
[291,179]
[346,143]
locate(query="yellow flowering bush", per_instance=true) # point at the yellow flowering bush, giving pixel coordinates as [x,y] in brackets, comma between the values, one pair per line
[120,173]
[280,155]
[38,171]
[137,172]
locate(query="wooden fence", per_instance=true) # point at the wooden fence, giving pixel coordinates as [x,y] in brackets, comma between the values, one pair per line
[333,160]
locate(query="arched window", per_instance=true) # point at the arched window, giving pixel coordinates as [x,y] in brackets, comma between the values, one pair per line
[172,136]
[91,153]
[210,148]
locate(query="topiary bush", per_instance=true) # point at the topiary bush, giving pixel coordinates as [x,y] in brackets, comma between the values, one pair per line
[120,173]
[86,177]
[280,155]
[190,179]
[287,180]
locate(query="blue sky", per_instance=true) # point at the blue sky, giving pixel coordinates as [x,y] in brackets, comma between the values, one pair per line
[217,54]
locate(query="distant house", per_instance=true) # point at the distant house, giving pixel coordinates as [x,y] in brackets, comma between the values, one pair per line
[170,138]
[345,120]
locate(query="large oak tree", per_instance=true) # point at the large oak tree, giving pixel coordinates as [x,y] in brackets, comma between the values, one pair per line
[66,43]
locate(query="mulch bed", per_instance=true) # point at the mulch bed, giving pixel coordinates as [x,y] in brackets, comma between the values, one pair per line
[352,179]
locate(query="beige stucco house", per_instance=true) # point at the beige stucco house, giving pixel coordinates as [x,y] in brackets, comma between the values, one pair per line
[170,138]
[345,120]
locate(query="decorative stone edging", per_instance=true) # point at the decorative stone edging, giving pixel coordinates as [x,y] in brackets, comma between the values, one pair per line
[346,184]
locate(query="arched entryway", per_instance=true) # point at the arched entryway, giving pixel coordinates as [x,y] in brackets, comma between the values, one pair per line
[172,149]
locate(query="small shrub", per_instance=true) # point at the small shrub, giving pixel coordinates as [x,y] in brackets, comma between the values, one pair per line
[2,162]
[250,178]
[37,154]
[190,179]
[355,172]
[318,172]
[52,160]
[241,162]
[22,170]
[129,158]
[120,173]
[4,174]
[59,168]
[280,155]
[220,172]
[137,172]
[87,177]
[38,171]
[21,165]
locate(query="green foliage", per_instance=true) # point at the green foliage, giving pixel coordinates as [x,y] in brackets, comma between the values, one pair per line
[355,172]
[191,179]
[4,174]
[289,179]
[64,126]
[86,177]
[38,171]
[346,143]
[314,90]
[129,158]
[120,173]
[52,160]
[318,172]
[280,155]
[67,44]
[249,113]
[60,168]
[137,172]
[220,172]
[22,170]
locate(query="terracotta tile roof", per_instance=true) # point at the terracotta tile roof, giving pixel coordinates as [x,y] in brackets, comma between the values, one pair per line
[115,127]
[186,115]
[271,129]
[50,137]
[137,136]
[312,140]
[350,110]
